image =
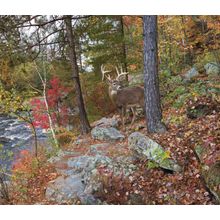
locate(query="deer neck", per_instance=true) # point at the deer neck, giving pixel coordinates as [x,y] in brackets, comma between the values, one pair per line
[112,94]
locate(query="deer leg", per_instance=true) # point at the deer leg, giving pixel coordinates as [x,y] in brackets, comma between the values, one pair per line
[123,117]
[120,110]
[122,114]
[133,109]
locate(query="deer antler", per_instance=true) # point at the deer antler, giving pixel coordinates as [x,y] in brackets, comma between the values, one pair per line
[120,74]
[104,72]
[109,77]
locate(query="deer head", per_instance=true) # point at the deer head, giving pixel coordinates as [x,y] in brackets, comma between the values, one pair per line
[114,83]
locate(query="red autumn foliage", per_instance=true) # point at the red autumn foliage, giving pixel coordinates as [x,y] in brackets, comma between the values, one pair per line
[58,109]
[22,164]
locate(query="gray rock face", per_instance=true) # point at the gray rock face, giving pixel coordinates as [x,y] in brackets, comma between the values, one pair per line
[86,178]
[87,163]
[69,190]
[145,147]
[106,122]
[94,180]
[191,74]
[212,69]
[95,149]
[106,134]
[65,190]
[56,158]
[58,155]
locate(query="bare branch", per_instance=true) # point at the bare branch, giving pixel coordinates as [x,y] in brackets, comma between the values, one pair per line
[40,24]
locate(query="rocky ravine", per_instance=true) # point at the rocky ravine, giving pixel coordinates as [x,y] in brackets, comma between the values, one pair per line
[80,175]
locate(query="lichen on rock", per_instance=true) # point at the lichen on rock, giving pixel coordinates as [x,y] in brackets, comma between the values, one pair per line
[146,148]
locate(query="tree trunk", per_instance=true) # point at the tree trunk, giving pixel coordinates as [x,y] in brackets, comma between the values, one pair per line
[85,127]
[151,80]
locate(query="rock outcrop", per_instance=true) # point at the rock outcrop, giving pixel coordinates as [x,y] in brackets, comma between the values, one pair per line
[106,122]
[146,148]
[83,177]
[107,134]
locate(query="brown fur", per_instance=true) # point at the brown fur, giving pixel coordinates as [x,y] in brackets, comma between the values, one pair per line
[126,97]
[130,96]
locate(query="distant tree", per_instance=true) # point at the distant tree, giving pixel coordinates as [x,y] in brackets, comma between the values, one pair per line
[104,41]
[151,81]
[55,35]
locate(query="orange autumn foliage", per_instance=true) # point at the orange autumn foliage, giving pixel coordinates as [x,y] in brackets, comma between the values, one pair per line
[30,177]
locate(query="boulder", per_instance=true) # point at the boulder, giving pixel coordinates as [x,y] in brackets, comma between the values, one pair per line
[212,179]
[212,69]
[65,190]
[146,148]
[92,169]
[211,173]
[69,190]
[106,122]
[190,74]
[87,163]
[107,134]
[94,178]
[85,176]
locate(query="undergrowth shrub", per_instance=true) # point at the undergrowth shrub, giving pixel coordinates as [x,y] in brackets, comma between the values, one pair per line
[114,188]
[177,94]
[65,137]
[29,178]
[208,57]
[98,103]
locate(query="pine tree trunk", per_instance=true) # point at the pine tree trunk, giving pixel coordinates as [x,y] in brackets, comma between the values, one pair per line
[151,80]
[85,127]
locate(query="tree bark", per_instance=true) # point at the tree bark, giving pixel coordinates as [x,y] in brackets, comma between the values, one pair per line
[151,80]
[85,127]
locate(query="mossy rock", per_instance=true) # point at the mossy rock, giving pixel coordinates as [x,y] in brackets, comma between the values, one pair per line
[145,148]
[212,178]
[200,151]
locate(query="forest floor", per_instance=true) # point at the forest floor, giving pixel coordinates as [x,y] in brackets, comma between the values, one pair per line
[157,186]
[153,185]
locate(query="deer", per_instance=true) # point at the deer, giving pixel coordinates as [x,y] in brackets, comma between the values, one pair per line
[123,97]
